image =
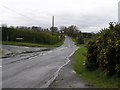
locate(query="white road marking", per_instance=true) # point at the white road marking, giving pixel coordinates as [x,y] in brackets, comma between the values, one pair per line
[26,47]
[0,66]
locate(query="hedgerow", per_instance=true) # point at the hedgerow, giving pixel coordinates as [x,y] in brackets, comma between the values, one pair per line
[11,34]
[104,51]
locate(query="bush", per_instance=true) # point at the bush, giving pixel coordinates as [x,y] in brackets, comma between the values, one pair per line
[104,51]
[92,63]
[80,40]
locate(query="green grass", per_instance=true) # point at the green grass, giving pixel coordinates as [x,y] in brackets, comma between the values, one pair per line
[32,44]
[74,40]
[58,44]
[97,77]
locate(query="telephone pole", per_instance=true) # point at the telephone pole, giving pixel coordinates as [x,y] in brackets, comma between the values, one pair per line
[119,12]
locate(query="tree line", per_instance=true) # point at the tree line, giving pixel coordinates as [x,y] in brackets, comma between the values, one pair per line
[32,35]
[76,34]
[36,34]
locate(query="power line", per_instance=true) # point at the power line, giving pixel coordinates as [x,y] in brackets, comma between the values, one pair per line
[18,13]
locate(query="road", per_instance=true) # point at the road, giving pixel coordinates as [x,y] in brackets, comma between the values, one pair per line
[37,71]
[10,50]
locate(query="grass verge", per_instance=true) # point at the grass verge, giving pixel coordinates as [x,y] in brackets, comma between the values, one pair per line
[97,77]
[32,44]
[74,40]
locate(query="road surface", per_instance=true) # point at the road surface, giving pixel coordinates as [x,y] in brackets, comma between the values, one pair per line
[10,50]
[36,71]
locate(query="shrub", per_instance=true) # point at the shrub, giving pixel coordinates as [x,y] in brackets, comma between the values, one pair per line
[80,40]
[104,51]
[92,63]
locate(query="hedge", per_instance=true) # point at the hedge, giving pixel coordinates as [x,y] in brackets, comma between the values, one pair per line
[10,34]
[104,51]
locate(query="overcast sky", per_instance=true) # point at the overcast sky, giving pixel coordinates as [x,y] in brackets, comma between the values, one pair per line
[88,15]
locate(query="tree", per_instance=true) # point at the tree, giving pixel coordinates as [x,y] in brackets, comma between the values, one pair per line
[63,29]
[38,29]
[54,29]
[80,39]
[72,31]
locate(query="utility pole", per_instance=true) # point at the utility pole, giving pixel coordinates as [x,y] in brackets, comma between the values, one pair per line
[119,12]
[52,21]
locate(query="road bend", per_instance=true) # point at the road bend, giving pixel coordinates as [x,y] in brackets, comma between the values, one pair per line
[36,72]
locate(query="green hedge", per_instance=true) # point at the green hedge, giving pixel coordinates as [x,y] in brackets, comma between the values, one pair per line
[104,51]
[29,36]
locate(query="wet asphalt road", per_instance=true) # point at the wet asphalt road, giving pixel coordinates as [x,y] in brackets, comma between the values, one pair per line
[36,71]
[11,50]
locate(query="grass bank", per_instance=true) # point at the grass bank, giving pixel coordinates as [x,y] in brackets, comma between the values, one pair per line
[33,44]
[96,78]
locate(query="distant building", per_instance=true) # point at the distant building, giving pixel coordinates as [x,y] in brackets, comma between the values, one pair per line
[119,12]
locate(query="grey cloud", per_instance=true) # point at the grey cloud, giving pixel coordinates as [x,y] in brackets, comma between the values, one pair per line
[88,15]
